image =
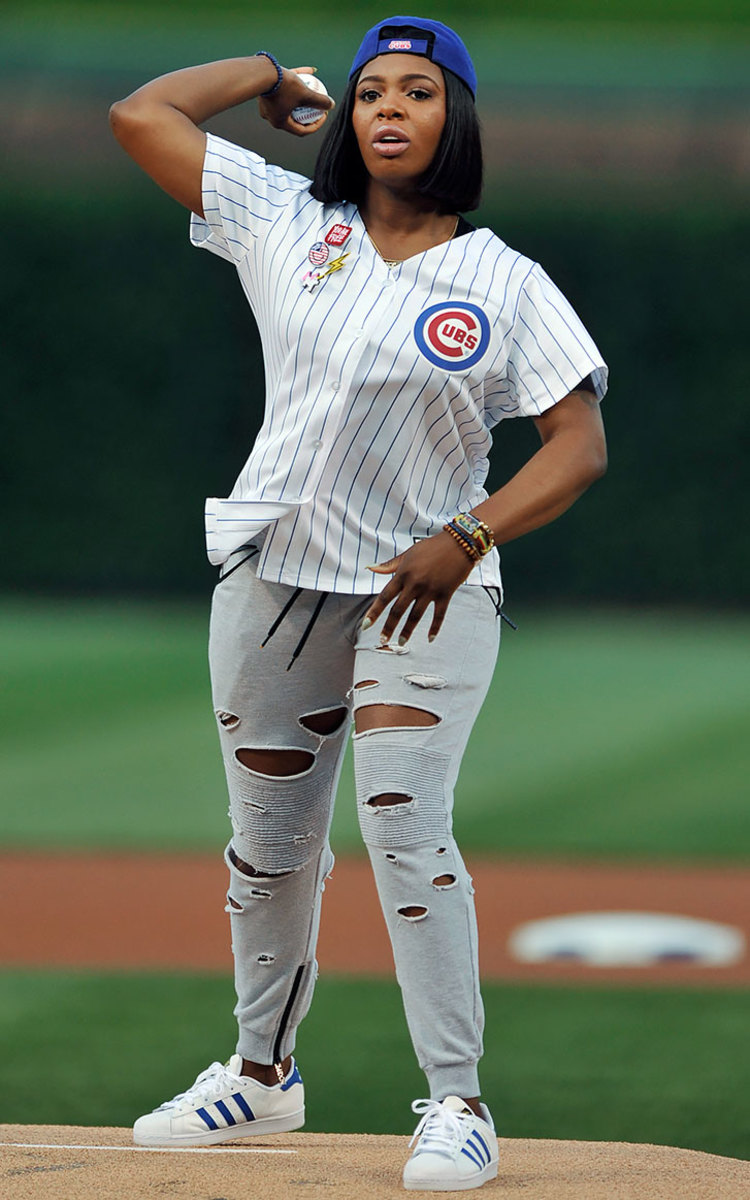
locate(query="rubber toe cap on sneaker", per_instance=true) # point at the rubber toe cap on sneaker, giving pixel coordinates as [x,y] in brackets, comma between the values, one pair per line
[437,1173]
[153,1129]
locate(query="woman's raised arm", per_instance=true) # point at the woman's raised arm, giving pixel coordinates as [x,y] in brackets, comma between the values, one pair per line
[158,125]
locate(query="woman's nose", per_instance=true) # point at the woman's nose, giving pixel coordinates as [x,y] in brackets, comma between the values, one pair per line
[390,108]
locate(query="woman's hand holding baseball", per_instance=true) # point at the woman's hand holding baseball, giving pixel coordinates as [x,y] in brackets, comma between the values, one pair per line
[429,572]
[294,93]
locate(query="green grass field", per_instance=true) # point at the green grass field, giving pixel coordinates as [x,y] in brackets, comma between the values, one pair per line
[614,735]
[586,1064]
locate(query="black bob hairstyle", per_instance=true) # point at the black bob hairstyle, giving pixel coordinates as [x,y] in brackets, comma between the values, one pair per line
[453,179]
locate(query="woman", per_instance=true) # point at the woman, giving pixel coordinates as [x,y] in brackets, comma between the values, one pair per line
[395,335]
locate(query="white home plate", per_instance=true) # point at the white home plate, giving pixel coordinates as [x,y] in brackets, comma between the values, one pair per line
[627,939]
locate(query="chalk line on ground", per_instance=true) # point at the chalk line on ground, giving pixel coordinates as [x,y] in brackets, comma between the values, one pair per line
[152,1149]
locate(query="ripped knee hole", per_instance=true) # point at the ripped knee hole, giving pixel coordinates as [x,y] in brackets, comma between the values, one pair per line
[279,763]
[326,722]
[371,717]
[389,800]
[228,719]
[256,893]
[413,912]
[444,881]
[246,869]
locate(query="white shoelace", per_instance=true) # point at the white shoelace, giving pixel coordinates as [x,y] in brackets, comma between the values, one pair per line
[209,1085]
[441,1130]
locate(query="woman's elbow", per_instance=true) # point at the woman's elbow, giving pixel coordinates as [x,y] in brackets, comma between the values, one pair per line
[119,118]
[598,460]
[126,117]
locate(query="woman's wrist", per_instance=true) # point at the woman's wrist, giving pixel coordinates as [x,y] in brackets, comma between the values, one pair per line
[466,546]
[473,535]
[277,67]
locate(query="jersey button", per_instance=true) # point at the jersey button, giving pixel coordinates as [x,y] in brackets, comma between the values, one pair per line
[317,444]
[335,385]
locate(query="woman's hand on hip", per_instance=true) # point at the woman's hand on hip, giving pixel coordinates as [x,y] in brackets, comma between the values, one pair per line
[277,109]
[429,572]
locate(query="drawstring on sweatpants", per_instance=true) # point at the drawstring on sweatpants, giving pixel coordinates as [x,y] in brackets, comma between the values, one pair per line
[294,597]
[225,574]
[498,602]
[308,628]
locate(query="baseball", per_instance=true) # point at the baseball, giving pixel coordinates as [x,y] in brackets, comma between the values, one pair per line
[306,114]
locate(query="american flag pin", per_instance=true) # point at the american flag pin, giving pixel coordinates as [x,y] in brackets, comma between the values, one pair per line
[318,254]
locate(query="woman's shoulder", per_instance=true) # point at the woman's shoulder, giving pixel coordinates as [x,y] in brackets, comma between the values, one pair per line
[482,242]
[241,165]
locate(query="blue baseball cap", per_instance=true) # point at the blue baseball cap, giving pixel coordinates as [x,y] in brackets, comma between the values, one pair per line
[414,35]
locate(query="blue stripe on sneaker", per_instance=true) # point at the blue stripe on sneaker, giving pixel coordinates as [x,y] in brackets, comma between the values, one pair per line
[205,1117]
[476,1134]
[225,1112]
[477,1149]
[243,1105]
[295,1077]
[472,1154]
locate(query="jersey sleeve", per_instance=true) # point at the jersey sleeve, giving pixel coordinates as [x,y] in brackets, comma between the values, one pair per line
[549,351]
[242,196]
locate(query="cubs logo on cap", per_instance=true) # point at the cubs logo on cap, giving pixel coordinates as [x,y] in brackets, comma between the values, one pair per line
[415,35]
[452,335]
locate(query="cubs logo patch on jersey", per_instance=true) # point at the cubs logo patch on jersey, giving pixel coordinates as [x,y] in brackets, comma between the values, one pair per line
[453,335]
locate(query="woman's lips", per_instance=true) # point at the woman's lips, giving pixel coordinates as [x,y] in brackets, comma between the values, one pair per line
[390,141]
[390,149]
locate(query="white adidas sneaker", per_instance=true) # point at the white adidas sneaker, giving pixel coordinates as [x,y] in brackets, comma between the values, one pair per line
[223,1105]
[455,1149]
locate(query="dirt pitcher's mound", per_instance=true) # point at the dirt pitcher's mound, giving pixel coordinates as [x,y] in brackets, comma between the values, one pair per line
[41,1162]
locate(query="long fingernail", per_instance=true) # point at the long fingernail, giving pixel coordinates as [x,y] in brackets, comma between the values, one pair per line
[402,640]
[366,623]
[384,639]
[431,637]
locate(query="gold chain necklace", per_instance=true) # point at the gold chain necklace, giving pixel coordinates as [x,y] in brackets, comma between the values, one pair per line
[394,262]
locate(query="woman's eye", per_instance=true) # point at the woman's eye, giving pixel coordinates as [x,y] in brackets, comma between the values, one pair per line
[368,95]
[419,94]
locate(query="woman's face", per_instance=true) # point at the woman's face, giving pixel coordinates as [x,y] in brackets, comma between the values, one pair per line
[398,117]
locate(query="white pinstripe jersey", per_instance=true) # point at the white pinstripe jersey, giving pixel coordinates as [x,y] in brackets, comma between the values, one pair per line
[382,385]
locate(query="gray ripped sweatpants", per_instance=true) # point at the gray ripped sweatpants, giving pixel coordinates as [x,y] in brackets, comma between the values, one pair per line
[281,823]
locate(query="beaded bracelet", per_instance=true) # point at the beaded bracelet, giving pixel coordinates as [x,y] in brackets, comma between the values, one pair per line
[464,543]
[279,71]
[475,530]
